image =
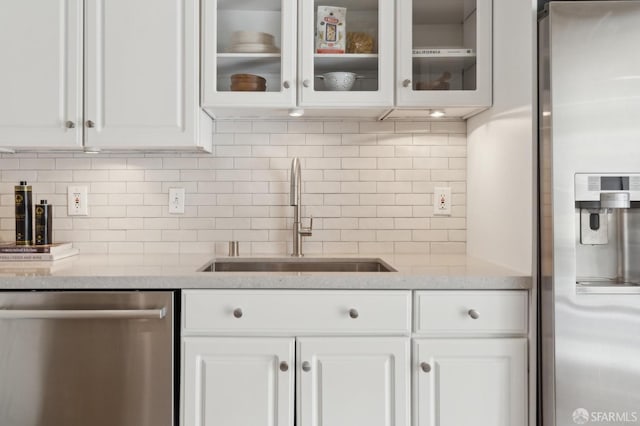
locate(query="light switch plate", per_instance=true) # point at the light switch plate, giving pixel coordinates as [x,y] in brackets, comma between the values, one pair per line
[176,200]
[77,201]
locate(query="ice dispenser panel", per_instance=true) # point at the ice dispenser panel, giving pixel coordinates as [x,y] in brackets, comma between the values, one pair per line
[607,228]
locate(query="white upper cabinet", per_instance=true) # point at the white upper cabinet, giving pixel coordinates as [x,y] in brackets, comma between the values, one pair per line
[142,79]
[273,46]
[364,49]
[115,74]
[444,54]
[41,73]
[248,39]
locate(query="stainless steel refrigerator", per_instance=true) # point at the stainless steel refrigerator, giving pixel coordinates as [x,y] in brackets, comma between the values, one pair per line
[589,213]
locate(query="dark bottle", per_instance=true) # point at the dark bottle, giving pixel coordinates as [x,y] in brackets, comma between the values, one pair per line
[24,214]
[44,217]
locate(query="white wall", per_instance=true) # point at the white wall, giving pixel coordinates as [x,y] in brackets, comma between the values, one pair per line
[369,186]
[500,146]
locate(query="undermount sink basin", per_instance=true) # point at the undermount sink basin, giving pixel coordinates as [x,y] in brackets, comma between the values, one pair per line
[295,264]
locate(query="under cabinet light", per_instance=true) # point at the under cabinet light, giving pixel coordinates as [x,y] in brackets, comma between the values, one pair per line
[296,112]
[90,150]
[436,113]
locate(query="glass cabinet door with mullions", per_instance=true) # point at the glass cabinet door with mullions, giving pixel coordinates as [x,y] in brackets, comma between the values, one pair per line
[444,53]
[249,53]
[346,53]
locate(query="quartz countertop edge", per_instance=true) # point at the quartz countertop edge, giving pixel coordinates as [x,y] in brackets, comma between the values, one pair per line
[126,272]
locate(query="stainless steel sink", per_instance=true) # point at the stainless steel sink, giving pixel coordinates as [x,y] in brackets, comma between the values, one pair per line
[294,264]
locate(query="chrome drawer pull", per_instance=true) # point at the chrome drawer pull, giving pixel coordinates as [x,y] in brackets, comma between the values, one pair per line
[353,313]
[306,366]
[425,367]
[284,366]
[474,314]
[237,312]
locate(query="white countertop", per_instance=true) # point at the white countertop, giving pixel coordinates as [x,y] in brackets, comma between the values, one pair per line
[165,271]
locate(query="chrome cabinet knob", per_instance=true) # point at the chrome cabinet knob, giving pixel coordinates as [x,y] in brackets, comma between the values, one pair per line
[406,83]
[473,314]
[353,313]
[284,366]
[237,312]
[70,125]
[306,366]
[306,83]
[90,124]
[425,366]
[286,84]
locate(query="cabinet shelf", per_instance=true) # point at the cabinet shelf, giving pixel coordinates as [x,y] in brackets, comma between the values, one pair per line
[345,62]
[254,63]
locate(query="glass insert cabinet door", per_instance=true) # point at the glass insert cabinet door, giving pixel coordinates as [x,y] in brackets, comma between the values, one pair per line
[444,53]
[346,53]
[249,53]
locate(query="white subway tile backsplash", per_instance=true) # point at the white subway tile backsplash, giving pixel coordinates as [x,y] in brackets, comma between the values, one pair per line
[377,127]
[268,151]
[449,127]
[377,199]
[341,127]
[357,187]
[359,163]
[413,127]
[369,186]
[305,127]
[376,151]
[269,127]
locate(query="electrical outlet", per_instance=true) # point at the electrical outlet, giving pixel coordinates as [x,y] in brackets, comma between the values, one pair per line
[442,200]
[77,202]
[176,200]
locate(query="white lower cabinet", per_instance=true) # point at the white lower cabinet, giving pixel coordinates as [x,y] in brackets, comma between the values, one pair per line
[345,358]
[480,382]
[351,363]
[353,381]
[238,381]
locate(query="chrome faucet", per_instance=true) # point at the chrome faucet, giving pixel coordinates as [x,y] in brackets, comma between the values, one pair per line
[295,196]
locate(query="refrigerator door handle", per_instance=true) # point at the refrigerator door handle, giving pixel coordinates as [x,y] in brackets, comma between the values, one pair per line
[13,314]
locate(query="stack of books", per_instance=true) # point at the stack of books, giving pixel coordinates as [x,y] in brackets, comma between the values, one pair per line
[12,253]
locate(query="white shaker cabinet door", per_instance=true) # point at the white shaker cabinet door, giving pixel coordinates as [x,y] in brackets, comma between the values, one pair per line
[141,73]
[41,74]
[238,381]
[353,381]
[481,382]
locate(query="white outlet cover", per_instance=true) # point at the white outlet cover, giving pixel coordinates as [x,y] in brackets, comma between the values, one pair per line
[442,201]
[176,200]
[77,201]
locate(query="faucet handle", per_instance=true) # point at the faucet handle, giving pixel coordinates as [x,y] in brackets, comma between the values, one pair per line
[307,232]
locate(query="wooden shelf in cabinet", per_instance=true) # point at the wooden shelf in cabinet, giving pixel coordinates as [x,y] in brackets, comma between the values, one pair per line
[254,63]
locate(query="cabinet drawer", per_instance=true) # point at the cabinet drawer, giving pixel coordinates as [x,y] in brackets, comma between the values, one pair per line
[471,312]
[296,312]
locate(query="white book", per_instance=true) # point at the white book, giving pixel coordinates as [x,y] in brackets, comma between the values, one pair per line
[443,52]
[21,257]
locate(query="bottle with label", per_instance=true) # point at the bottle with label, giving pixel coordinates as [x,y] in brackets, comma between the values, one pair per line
[24,214]
[44,218]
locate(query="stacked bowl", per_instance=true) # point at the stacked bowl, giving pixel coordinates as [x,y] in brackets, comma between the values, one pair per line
[248,83]
[252,42]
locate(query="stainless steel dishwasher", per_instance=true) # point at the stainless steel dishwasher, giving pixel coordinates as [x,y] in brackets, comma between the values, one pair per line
[87,358]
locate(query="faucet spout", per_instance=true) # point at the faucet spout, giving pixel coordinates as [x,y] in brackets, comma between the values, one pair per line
[295,197]
[296,183]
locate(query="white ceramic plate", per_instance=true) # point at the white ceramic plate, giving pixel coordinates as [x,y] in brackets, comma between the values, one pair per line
[253,48]
[238,37]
